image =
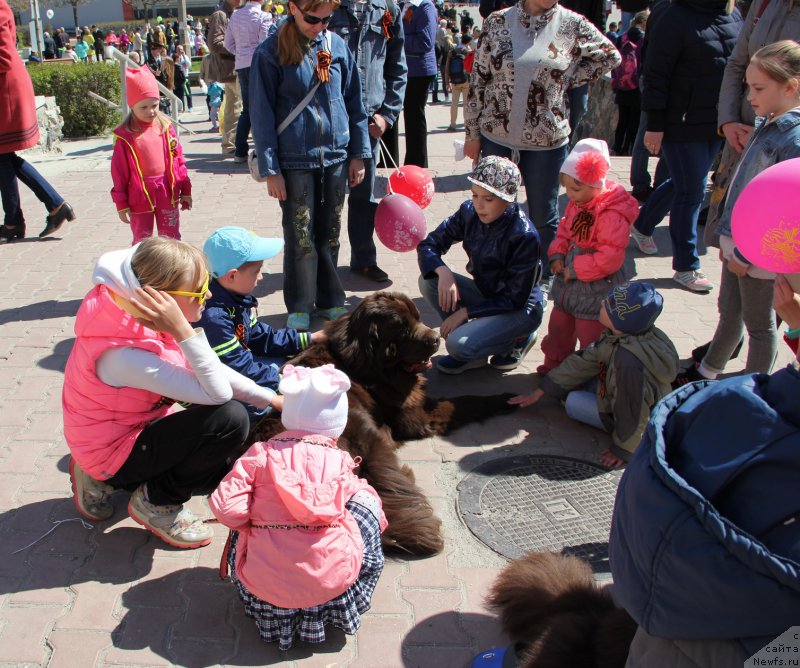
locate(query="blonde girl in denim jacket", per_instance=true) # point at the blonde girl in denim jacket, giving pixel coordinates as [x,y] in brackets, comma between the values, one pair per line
[745,297]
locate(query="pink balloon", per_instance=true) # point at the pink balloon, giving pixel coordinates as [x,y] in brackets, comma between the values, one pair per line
[766,218]
[399,223]
[413,182]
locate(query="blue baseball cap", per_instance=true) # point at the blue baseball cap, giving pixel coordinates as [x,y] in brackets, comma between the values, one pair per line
[230,247]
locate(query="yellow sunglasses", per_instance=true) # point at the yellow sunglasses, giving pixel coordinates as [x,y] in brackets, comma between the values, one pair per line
[199,296]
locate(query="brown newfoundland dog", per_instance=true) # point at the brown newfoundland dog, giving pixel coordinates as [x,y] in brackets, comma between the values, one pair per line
[384,348]
[557,616]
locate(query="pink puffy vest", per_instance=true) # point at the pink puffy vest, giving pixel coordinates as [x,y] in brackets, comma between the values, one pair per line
[101,423]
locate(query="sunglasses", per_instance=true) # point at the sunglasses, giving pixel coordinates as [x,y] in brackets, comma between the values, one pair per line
[314,20]
[200,296]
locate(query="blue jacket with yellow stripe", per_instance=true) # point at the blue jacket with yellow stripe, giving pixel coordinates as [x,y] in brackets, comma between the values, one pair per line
[242,342]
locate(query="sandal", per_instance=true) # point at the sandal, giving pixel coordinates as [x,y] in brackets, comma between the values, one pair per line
[56,219]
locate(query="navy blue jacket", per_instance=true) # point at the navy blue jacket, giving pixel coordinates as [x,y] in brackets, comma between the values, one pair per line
[687,48]
[705,537]
[503,257]
[242,342]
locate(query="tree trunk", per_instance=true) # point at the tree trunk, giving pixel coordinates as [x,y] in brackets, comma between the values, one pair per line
[75,16]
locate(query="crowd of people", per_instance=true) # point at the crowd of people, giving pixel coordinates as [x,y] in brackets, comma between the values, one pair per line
[320,93]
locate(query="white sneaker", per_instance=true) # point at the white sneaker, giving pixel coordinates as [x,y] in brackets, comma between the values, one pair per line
[695,281]
[90,495]
[645,243]
[174,524]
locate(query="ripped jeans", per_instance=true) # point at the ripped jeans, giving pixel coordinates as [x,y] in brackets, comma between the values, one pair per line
[312,220]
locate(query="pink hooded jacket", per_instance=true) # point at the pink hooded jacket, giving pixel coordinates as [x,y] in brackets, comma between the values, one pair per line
[101,422]
[298,544]
[601,229]
[129,191]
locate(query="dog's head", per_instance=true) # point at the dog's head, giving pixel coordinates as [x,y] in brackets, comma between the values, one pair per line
[383,337]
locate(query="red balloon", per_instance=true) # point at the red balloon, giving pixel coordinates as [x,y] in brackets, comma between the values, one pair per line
[413,182]
[399,223]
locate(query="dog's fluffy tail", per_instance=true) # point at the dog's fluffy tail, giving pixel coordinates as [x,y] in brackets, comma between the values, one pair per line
[550,605]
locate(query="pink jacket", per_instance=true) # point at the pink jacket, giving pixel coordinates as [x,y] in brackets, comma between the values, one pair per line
[298,544]
[101,423]
[130,191]
[600,229]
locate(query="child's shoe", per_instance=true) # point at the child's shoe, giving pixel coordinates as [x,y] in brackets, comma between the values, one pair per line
[645,243]
[299,321]
[452,366]
[90,495]
[174,524]
[332,313]
[515,357]
[695,281]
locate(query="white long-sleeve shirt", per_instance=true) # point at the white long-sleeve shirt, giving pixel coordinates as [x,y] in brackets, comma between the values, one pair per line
[207,382]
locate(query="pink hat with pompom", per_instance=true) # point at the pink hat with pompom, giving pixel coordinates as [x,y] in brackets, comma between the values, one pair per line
[588,162]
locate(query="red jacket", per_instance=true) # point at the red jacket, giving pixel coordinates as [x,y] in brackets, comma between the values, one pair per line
[600,229]
[129,191]
[18,126]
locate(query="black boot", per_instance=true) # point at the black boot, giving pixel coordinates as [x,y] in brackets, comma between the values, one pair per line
[56,219]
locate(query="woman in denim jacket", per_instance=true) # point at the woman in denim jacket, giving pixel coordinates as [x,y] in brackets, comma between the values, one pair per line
[309,164]
[745,298]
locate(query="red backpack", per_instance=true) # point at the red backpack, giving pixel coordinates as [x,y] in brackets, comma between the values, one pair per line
[626,75]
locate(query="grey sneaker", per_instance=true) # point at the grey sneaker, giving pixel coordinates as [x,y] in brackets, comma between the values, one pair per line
[645,243]
[90,495]
[695,281]
[173,524]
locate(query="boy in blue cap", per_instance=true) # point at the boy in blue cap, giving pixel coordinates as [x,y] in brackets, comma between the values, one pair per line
[236,257]
[632,364]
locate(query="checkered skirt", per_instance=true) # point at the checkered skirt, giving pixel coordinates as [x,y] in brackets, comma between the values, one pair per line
[344,611]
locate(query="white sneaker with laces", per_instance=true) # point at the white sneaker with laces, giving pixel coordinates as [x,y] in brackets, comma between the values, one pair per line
[695,281]
[645,243]
[174,524]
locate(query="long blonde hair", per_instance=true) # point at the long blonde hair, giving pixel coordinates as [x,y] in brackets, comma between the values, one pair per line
[167,264]
[780,61]
[132,125]
[292,44]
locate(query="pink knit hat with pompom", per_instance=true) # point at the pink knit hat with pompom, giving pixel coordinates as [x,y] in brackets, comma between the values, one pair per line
[588,162]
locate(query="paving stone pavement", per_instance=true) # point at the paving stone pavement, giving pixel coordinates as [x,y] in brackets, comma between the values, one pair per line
[77,595]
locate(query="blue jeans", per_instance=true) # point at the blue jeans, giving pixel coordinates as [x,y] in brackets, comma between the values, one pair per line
[582,406]
[578,105]
[14,169]
[361,206]
[243,127]
[540,174]
[680,195]
[480,337]
[640,155]
[312,219]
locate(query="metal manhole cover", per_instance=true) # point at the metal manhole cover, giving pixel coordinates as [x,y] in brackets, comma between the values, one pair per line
[535,503]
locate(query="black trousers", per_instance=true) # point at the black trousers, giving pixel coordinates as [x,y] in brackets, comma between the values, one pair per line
[414,118]
[185,453]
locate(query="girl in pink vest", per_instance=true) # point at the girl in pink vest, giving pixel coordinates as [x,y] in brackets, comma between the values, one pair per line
[147,166]
[305,547]
[135,356]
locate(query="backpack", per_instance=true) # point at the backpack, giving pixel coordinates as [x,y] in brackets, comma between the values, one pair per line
[456,71]
[626,75]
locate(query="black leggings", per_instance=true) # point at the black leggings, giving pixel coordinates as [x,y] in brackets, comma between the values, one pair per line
[185,453]
[415,123]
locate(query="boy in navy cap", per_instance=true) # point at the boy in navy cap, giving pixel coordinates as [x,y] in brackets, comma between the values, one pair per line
[631,366]
[236,257]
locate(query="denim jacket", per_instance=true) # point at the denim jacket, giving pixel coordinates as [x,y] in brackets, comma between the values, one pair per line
[770,144]
[381,62]
[330,129]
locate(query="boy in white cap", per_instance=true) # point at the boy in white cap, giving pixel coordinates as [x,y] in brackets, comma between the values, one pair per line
[236,257]
[587,255]
[497,311]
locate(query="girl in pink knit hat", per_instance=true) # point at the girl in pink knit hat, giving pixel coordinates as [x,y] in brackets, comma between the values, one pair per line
[147,166]
[305,548]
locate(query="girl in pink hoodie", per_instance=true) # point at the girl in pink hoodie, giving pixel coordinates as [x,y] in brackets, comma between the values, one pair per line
[305,547]
[147,166]
[587,255]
